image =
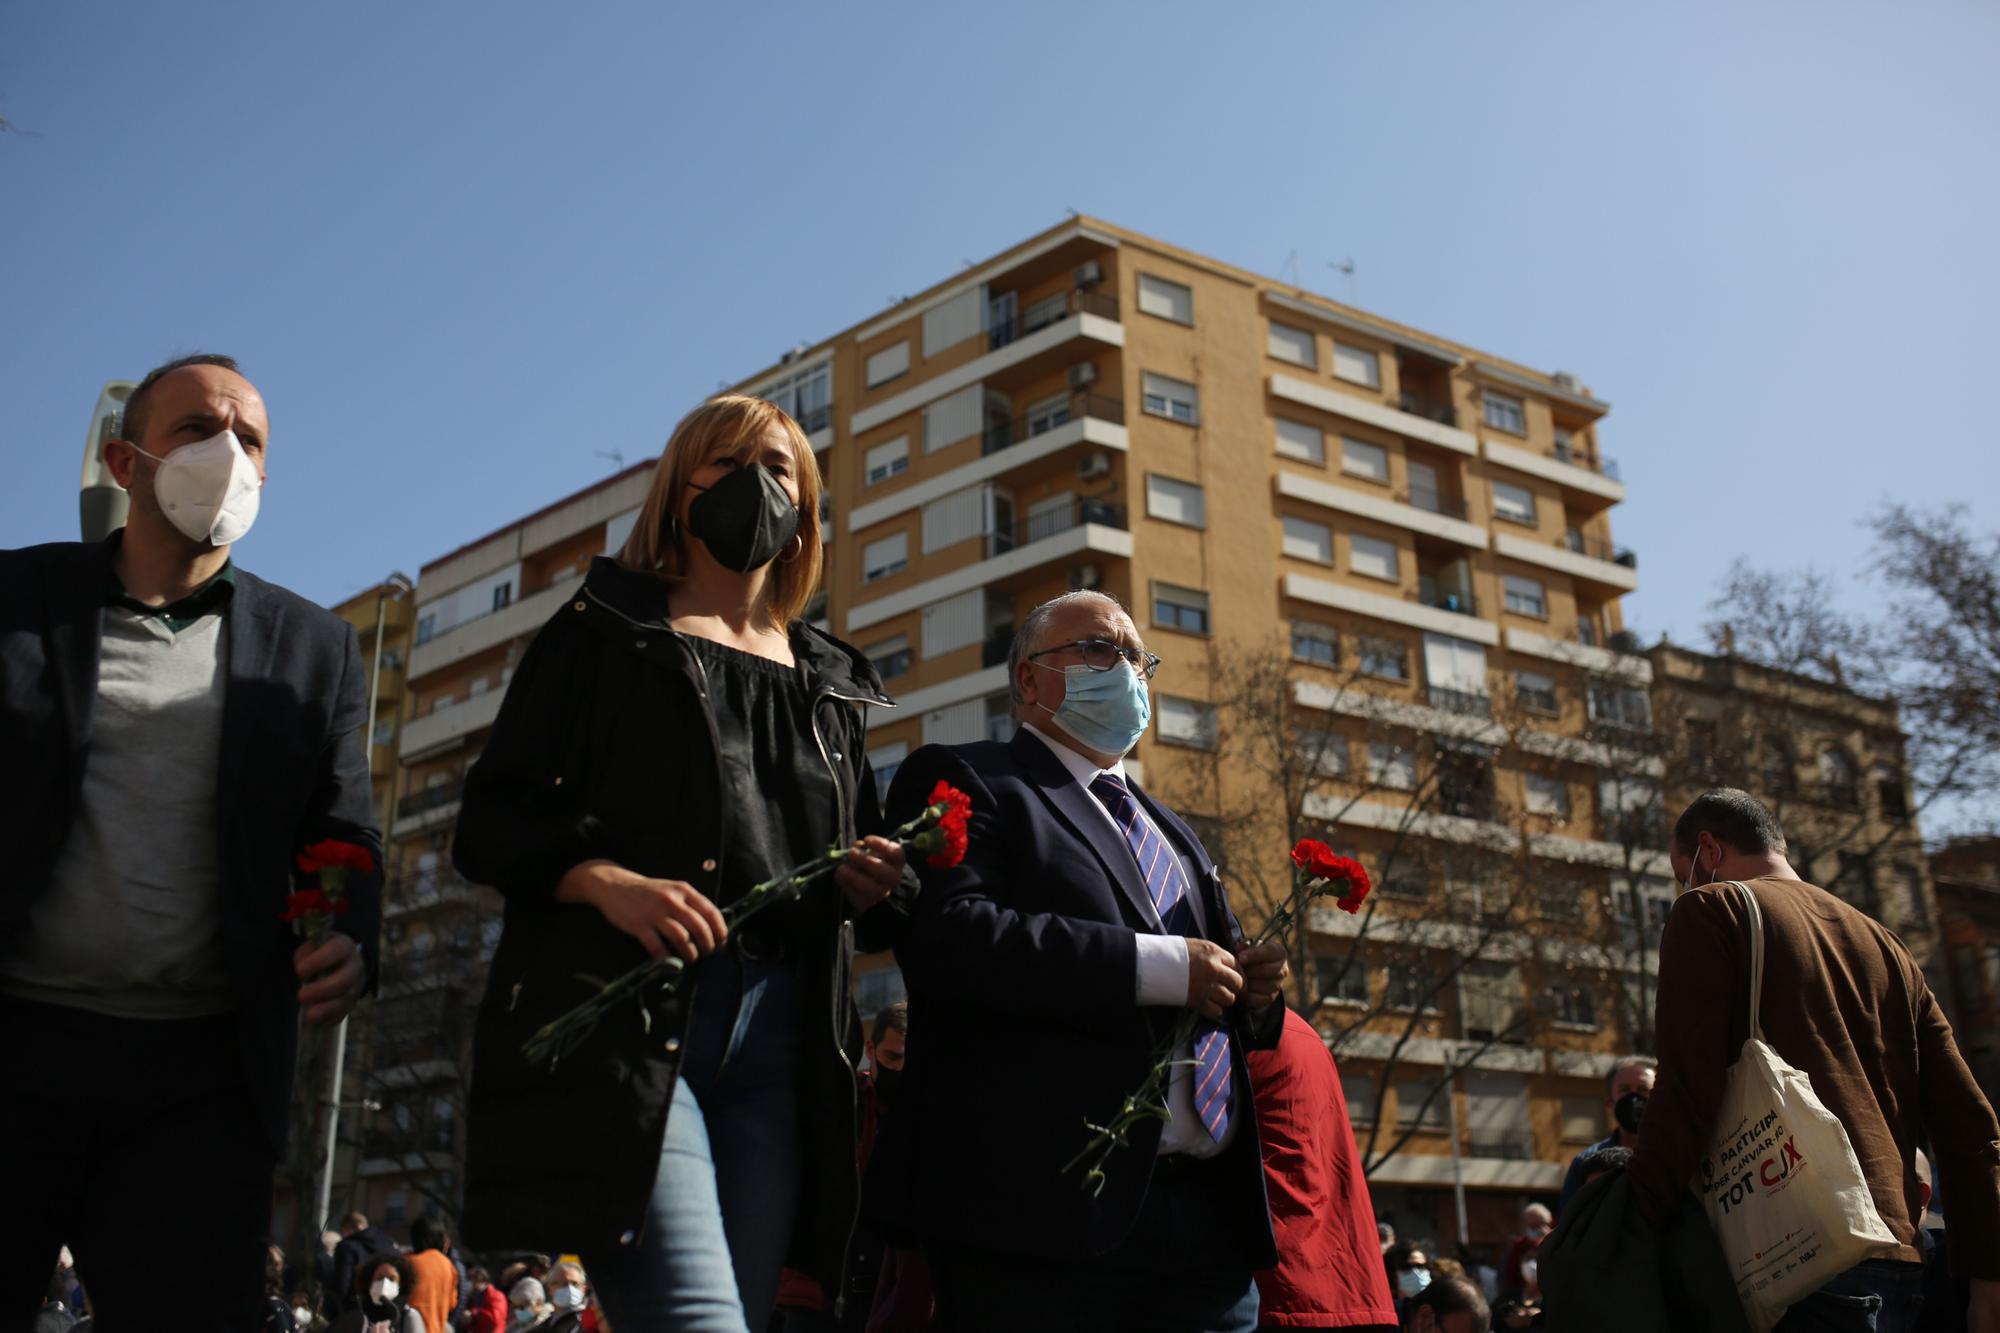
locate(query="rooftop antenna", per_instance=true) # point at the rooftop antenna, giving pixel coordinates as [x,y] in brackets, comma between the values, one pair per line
[1291,264]
[1347,266]
[614,456]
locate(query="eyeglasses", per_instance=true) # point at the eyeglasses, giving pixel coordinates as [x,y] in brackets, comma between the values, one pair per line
[1103,655]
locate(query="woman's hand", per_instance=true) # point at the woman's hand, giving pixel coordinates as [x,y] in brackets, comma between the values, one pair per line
[871,872]
[664,915]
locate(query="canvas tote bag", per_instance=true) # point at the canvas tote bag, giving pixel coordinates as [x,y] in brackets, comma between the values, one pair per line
[1781,1184]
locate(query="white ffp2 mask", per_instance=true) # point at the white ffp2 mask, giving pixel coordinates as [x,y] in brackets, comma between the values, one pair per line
[208,490]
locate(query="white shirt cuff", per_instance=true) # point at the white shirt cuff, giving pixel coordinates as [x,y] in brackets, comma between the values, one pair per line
[1163,969]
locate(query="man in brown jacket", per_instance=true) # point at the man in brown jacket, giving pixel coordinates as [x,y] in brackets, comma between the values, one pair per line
[1843,1002]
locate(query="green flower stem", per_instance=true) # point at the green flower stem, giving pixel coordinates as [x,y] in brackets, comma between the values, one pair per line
[660,977]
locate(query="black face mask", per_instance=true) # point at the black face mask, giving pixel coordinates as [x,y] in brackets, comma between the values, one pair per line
[745,519]
[888,1082]
[1629,1110]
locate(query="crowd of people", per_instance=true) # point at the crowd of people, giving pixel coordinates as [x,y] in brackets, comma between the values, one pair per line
[738,1152]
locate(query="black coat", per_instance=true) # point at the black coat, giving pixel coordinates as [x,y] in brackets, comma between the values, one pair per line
[1024,1022]
[292,772]
[606,747]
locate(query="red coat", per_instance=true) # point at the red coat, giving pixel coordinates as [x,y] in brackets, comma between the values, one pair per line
[1329,1272]
[486,1311]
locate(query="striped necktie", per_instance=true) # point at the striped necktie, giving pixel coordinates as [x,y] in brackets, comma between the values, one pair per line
[1167,886]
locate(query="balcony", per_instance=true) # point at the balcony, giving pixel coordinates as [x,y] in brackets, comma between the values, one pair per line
[1429,594]
[1002,333]
[440,730]
[1613,575]
[1437,522]
[815,419]
[1431,502]
[1587,486]
[1602,464]
[1373,412]
[1461,623]
[1077,529]
[1006,434]
[1467,703]
[1430,409]
[1510,1145]
[430,798]
[1598,549]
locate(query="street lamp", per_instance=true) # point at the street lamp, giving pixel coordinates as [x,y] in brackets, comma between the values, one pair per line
[397,586]
[101,501]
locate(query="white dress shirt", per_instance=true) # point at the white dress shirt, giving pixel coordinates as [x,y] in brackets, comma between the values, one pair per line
[1163,964]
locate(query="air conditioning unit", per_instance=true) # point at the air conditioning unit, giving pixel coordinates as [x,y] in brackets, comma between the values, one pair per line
[1564,380]
[1089,273]
[1085,576]
[1092,466]
[1083,374]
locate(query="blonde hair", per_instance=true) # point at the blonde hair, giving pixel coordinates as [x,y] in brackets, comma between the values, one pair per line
[719,426]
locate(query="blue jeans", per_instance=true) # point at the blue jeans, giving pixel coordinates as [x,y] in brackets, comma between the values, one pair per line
[721,1214]
[1874,1296]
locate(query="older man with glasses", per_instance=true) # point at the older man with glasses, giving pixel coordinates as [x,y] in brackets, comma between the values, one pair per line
[1045,973]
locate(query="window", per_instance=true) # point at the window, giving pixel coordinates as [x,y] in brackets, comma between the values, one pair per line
[1180,608]
[1656,899]
[889,363]
[479,686]
[1040,314]
[1619,705]
[1547,796]
[1385,659]
[1343,979]
[1293,345]
[1489,1001]
[1175,501]
[1308,540]
[1890,793]
[1168,300]
[1504,412]
[1580,1120]
[1187,722]
[1046,415]
[1391,766]
[1315,643]
[1359,1091]
[1855,882]
[891,656]
[880,559]
[1358,458]
[1165,397]
[503,595]
[1357,365]
[1910,892]
[1774,765]
[1836,779]
[1525,597]
[1300,441]
[385,731]
[1410,986]
[1535,692]
[807,396]
[886,460]
[1516,504]
[1315,750]
[885,760]
[1374,557]
[1420,1103]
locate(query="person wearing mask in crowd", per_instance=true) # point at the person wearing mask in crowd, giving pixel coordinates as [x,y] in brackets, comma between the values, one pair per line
[1844,1004]
[323,1261]
[359,1242]
[381,1299]
[1626,1088]
[1320,1204]
[673,736]
[433,1277]
[1514,1271]
[528,1306]
[1409,1269]
[304,1318]
[1448,1305]
[151,688]
[486,1306]
[569,1298]
[1044,970]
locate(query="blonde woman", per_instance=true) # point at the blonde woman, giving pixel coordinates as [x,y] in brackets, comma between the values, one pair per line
[672,736]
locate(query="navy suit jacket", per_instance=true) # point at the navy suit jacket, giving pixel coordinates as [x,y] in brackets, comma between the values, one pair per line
[292,772]
[1022,970]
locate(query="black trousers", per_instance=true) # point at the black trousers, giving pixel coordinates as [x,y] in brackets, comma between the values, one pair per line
[134,1143]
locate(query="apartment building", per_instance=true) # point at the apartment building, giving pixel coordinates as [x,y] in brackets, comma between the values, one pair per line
[1422,528]
[1965,874]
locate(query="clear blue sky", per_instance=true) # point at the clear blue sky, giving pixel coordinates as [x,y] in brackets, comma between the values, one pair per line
[464,248]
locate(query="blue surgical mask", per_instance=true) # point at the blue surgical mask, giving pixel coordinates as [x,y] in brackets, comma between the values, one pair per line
[1106,710]
[1412,1281]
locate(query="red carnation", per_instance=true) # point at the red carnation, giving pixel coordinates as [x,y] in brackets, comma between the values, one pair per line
[951,825]
[335,854]
[1310,854]
[302,903]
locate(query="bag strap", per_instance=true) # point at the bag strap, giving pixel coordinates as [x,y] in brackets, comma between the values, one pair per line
[1756,956]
